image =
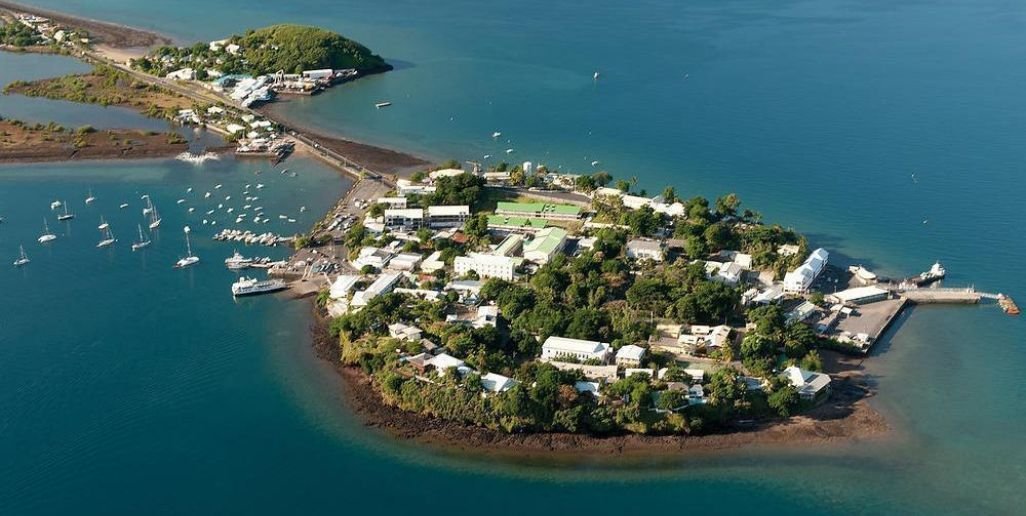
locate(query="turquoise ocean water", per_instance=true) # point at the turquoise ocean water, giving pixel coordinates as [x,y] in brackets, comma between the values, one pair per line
[127,387]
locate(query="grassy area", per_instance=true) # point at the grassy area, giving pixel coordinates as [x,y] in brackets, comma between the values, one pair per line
[105,86]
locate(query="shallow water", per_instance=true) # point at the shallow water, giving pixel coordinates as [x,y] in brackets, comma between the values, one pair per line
[816,113]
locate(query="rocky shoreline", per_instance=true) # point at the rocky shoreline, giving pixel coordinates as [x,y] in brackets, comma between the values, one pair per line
[845,418]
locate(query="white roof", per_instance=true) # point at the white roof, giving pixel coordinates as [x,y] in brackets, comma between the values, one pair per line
[444,361]
[406,213]
[441,211]
[574,345]
[630,352]
[627,373]
[446,172]
[807,382]
[342,285]
[855,294]
[496,382]
[647,245]
[383,282]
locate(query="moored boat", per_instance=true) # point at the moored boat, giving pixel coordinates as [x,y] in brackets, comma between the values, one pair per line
[251,286]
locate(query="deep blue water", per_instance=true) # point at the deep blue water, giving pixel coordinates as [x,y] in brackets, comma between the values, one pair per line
[128,387]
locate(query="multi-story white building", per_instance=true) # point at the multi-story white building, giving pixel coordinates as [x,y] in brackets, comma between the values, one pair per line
[556,348]
[487,265]
[406,219]
[643,249]
[447,216]
[800,279]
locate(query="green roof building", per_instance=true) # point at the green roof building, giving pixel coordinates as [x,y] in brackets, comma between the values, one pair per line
[545,245]
[539,210]
[515,223]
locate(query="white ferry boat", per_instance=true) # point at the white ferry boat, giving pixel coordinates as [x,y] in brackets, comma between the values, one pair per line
[251,286]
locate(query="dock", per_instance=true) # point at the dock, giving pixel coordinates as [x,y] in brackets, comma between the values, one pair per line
[943,295]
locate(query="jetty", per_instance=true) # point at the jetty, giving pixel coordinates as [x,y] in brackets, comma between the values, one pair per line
[967,295]
[1008,304]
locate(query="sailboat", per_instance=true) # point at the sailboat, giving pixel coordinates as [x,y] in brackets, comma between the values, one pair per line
[108,238]
[149,206]
[143,241]
[23,259]
[103,224]
[91,198]
[66,215]
[189,258]
[47,236]
[154,217]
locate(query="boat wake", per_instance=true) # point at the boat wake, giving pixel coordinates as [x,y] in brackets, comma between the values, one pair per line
[197,159]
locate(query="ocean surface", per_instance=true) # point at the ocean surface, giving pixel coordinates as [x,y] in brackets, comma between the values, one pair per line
[889,132]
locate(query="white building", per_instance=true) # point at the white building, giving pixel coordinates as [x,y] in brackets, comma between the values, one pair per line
[373,256]
[342,286]
[383,285]
[404,332]
[492,382]
[406,187]
[545,245]
[709,337]
[800,279]
[810,385]
[556,348]
[444,361]
[185,74]
[487,315]
[404,262]
[397,203]
[317,75]
[432,263]
[487,265]
[447,216]
[407,219]
[445,172]
[859,295]
[630,355]
[643,249]
[725,272]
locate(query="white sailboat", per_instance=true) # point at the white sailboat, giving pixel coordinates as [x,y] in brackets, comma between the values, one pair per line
[23,258]
[103,224]
[142,242]
[66,215]
[189,258]
[149,206]
[154,217]
[108,239]
[47,236]
[91,198]
[55,205]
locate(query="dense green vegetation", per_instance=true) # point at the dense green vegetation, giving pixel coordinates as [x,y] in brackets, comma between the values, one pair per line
[292,48]
[296,48]
[19,35]
[106,86]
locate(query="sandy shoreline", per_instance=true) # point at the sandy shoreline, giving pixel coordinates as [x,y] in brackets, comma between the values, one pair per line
[846,418]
